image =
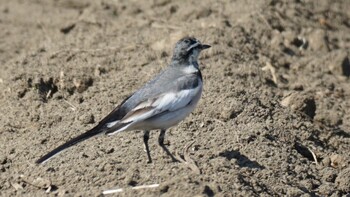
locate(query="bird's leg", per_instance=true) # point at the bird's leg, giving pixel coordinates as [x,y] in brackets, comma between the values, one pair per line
[145,141]
[161,144]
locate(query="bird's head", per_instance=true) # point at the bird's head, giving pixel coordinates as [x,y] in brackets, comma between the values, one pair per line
[188,49]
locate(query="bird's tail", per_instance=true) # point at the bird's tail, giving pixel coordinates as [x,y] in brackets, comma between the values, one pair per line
[93,132]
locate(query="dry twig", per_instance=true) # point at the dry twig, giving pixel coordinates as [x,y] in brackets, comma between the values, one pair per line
[72,107]
[272,70]
[112,191]
[313,155]
[187,159]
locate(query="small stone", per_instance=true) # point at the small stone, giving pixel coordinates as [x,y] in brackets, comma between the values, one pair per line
[82,84]
[336,161]
[277,39]
[231,111]
[308,184]
[41,183]
[300,102]
[87,119]
[99,70]
[317,40]
[297,87]
[3,159]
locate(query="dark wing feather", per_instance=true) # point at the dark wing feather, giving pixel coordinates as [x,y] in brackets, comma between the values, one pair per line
[117,114]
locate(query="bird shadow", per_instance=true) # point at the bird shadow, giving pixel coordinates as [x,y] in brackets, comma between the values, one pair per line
[242,160]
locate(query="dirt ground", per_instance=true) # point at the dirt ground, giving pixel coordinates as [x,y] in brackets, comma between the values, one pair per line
[274,118]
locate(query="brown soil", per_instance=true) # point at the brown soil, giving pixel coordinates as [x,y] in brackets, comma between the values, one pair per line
[274,118]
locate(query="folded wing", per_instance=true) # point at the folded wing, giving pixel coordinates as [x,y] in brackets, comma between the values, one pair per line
[172,100]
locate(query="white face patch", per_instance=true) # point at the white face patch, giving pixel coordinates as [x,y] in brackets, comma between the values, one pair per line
[190,69]
[192,46]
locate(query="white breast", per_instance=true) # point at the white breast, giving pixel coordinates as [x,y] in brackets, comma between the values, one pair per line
[190,69]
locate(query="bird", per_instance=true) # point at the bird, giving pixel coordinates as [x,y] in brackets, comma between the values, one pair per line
[161,103]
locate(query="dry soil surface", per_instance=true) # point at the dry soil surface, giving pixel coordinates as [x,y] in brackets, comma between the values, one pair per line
[274,118]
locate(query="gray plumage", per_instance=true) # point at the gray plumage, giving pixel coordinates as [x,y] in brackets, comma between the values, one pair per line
[159,104]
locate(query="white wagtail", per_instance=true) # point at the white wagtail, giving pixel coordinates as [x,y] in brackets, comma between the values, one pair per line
[160,104]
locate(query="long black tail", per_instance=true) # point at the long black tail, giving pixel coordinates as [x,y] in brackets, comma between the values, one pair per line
[93,132]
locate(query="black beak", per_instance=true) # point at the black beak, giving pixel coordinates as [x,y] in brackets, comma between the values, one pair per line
[205,46]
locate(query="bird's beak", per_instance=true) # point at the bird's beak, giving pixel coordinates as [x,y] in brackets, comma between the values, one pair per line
[205,46]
